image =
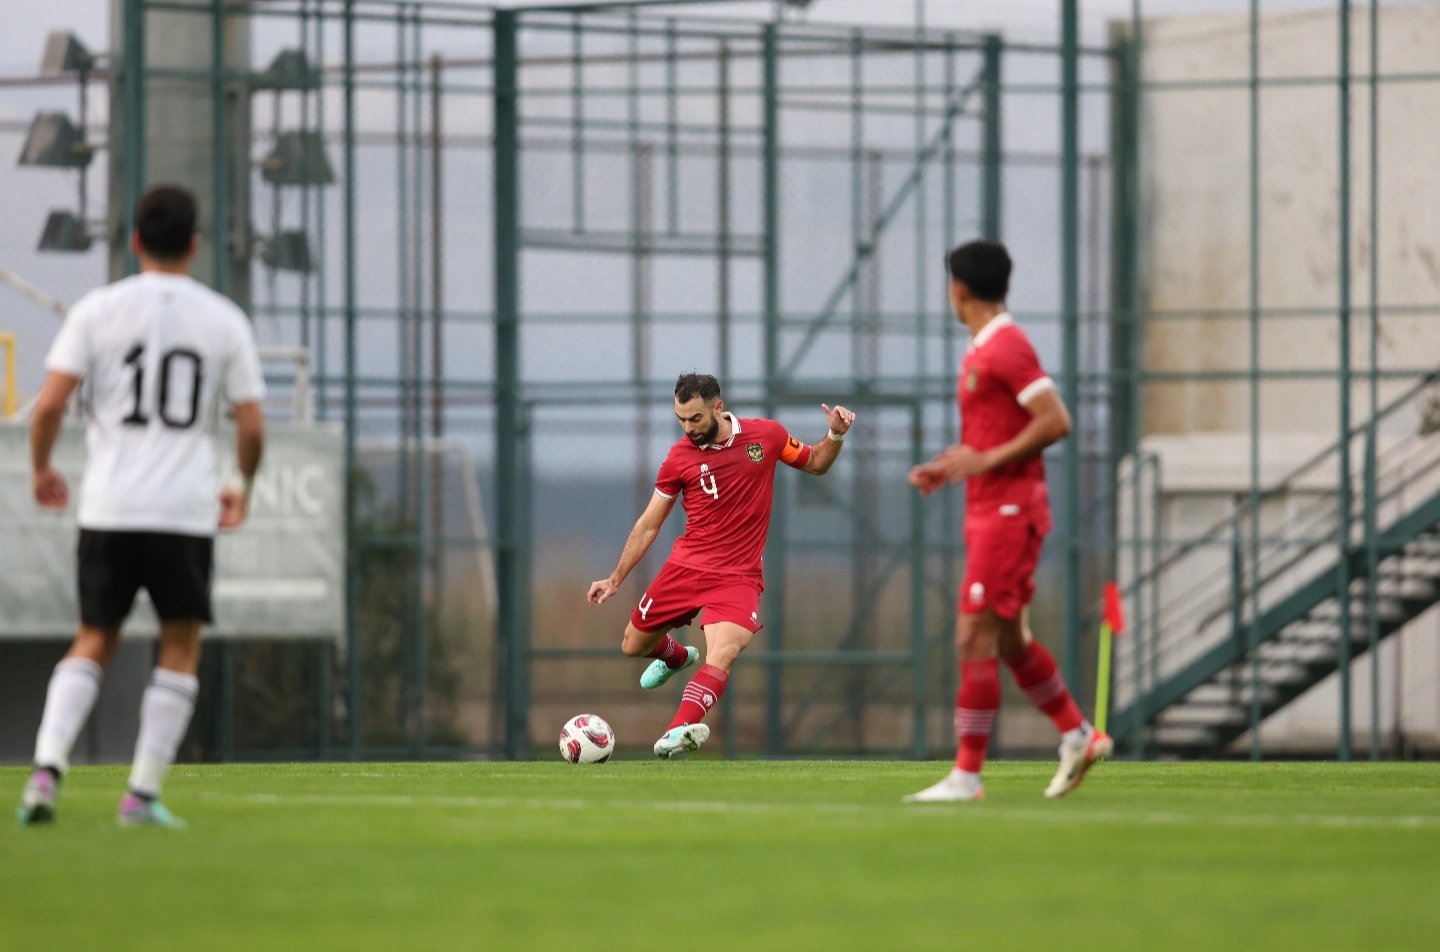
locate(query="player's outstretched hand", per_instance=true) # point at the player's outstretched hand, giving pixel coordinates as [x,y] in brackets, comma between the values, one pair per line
[600,591]
[839,418]
[51,490]
[234,506]
[927,477]
[962,462]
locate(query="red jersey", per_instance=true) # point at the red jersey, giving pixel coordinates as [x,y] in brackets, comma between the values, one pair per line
[727,490]
[999,376]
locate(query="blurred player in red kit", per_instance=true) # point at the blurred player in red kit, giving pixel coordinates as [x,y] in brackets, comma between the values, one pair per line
[1009,413]
[723,471]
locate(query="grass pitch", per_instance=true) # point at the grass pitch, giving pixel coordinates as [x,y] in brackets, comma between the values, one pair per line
[702,855]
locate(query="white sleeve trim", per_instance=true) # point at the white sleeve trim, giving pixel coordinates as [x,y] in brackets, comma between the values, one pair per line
[1034,390]
[663,495]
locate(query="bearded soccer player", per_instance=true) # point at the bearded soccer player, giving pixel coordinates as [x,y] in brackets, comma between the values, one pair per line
[162,354]
[1009,413]
[723,472]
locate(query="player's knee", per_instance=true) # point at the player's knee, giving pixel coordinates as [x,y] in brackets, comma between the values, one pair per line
[976,637]
[1012,641]
[635,642]
[725,650]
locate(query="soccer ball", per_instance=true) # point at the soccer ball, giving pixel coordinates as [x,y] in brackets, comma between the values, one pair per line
[587,739]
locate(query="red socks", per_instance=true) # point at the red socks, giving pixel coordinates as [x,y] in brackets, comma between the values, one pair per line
[700,695]
[671,652]
[975,705]
[1040,679]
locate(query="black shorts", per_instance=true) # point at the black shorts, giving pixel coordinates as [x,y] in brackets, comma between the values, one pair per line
[175,569]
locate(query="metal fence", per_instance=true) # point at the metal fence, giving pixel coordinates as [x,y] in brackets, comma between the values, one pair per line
[504,233]
[1275,345]
[501,234]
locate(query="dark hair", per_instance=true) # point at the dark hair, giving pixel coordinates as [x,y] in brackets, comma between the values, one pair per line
[690,386]
[983,267]
[165,221]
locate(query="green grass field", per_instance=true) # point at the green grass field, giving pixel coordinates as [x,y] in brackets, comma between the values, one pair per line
[703,855]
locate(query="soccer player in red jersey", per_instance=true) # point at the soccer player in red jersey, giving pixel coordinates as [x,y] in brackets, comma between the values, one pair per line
[1009,413]
[723,471]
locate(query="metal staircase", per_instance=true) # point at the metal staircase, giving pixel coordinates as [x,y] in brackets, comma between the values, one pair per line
[1234,625]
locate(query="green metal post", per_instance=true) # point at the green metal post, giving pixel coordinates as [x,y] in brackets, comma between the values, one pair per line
[1253,630]
[133,99]
[672,130]
[1125,351]
[220,180]
[352,593]
[1346,492]
[220,249]
[992,140]
[519,693]
[509,563]
[405,702]
[417,351]
[321,365]
[1372,529]
[1070,317]
[730,719]
[949,671]
[923,276]
[919,742]
[722,217]
[770,196]
[322,648]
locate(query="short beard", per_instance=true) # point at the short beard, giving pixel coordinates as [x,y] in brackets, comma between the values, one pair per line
[710,434]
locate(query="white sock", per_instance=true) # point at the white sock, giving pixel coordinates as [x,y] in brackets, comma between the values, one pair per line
[68,702]
[1079,735]
[164,716]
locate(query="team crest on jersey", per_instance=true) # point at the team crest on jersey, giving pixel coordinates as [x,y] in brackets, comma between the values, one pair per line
[756,452]
[972,380]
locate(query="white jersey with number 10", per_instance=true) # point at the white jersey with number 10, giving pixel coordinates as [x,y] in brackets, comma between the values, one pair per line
[159,351]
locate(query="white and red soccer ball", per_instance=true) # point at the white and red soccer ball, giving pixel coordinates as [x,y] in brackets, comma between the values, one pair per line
[587,739]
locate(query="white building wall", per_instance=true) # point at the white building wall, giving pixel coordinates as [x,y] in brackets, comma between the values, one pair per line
[1195,174]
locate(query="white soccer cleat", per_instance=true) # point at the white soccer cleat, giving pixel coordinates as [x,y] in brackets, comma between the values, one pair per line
[1076,760]
[678,740]
[955,788]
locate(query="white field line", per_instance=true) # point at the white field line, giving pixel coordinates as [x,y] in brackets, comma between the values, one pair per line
[1058,815]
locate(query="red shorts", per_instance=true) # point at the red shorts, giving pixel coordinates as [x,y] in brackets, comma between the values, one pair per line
[1001,553]
[679,593]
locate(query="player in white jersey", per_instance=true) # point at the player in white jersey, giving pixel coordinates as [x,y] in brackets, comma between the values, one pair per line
[162,354]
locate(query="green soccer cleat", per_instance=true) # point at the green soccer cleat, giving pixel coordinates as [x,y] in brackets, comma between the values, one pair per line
[658,672]
[678,740]
[37,803]
[137,811]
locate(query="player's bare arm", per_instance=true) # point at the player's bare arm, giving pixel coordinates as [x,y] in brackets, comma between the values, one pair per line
[50,488]
[826,451]
[642,536]
[249,447]
[1049,424]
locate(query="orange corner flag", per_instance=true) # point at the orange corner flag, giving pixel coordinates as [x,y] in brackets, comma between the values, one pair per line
[1114,614]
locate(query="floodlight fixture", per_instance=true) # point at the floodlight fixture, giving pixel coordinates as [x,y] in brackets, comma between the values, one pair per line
[64,53]
[64,231]
[54,142]
[290,69]
[298,158]
[287,251]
